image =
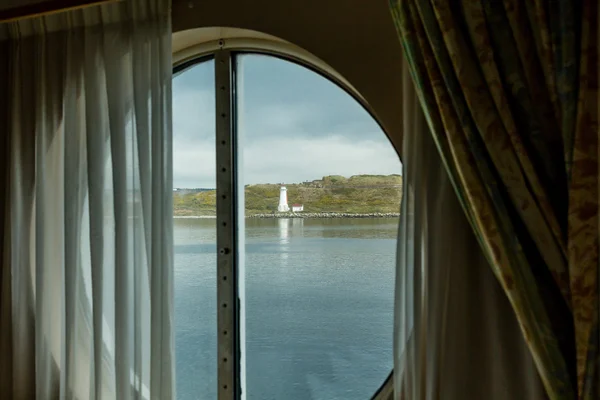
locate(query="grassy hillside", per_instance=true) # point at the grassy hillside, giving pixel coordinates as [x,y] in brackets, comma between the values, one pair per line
[357,194]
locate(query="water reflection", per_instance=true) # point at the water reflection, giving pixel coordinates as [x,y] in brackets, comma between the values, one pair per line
[284,230]
[290,227]
[284,241]
[298,227]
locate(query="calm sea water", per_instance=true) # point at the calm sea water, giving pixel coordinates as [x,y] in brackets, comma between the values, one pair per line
[319,302]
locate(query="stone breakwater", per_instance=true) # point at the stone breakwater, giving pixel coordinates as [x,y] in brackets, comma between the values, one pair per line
[325,215]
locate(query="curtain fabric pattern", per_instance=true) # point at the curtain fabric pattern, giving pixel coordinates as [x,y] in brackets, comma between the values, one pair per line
[509,91]
[88,264]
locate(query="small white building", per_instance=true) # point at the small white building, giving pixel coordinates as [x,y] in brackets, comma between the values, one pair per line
[297,207]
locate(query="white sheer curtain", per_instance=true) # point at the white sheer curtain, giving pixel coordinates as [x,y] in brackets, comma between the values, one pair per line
[88,261]
[456,336]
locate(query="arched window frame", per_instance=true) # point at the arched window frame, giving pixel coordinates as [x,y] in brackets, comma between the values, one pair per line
[192,47]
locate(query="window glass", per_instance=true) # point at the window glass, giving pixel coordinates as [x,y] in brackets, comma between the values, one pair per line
[322,188]
[195,231]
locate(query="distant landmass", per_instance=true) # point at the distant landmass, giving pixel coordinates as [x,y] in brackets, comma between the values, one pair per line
[358,194]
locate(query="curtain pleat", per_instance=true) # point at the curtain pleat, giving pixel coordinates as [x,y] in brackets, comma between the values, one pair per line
[5,272]
[456,336]
[89,204]
[509,91]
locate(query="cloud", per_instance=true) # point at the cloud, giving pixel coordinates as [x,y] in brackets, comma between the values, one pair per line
[194,164]
[193,115]
[287,160]
[295,125]
[292,160]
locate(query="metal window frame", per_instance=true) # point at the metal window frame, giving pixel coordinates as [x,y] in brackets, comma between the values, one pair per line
[228,313]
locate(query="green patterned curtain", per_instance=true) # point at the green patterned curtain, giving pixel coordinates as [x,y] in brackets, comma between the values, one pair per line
[510,91]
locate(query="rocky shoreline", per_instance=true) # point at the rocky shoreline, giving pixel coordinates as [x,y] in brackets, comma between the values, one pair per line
[325,215]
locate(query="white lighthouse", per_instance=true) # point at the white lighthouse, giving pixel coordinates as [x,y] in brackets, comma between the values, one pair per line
[283,205]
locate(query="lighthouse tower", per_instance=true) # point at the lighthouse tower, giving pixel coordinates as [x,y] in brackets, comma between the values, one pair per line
[283,205]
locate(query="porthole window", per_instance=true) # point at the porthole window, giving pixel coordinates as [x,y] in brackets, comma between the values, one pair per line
[286,203]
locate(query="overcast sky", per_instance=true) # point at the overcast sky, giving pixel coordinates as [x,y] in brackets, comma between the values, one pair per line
[295,126]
